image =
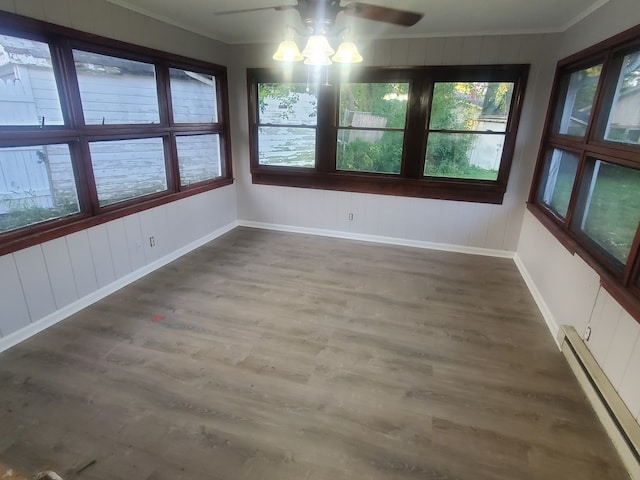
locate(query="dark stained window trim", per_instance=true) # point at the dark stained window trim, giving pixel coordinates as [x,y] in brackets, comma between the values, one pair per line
[77,134]
[410,182]
[620,284]
[45,231]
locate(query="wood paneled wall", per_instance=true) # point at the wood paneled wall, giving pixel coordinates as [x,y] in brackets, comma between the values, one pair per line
[568,286]
[41,280]
[110,20]
[495,227]
[572,293]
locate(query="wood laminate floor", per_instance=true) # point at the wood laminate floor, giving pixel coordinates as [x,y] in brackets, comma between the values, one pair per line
[274,356]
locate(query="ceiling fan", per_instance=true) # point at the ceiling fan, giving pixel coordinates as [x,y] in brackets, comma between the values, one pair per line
[320,15]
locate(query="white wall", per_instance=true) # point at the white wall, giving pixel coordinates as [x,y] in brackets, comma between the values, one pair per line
[571,295]
[461,224]
[41,284]
[568,287]
[109,20]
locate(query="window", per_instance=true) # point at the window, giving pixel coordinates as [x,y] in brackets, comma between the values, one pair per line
[199,158]
[36,185]
[372,121]
[287,116]
[193,97]
[92,129]
[126,169]
[560,171]
[28,87]
[578,90]
[116,90]
[467,128]
[623,125]
[587,184]
[442,132]
[608,208]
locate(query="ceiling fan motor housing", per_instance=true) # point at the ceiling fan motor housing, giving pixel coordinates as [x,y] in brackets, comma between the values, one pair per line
[319,16]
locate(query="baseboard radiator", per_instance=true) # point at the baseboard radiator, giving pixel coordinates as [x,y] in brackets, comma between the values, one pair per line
[618,421]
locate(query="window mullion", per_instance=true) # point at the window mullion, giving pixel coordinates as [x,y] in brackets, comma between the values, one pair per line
[166,118]
[72,108]
[600,101]
[327,130]
[415,140]
[632,260]
[171,162]
[576,208]
[86,182]
[164,94]
[64,66]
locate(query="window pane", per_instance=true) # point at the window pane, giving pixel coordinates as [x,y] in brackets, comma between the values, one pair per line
[126,169]
[623,124]
[287,104]
[36,184]
[559,175]
[375,151]
[287,146]
[115,90]
[580,90]
[373,105]
[199,158]
[193,97]
[477,106]
[611,200]
[462,155]
[28,91]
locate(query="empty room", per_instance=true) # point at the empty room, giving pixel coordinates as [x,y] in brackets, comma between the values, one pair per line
[319,239]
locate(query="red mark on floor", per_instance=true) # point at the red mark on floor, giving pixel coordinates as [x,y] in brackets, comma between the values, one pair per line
[157,318]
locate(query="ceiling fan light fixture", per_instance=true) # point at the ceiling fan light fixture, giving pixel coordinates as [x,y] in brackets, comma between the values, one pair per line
[316,45]
[318,59]
[347,53]
[288,51]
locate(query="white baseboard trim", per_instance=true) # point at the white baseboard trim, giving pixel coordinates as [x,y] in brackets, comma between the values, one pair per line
[59,315]
[550,320]
[379,239]
[552,325]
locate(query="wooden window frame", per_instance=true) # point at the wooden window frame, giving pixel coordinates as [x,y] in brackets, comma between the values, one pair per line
[77,135]
[410,182]
[621,283]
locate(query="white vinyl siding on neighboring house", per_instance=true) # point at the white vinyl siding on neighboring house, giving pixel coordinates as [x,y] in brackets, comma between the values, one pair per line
[24,177]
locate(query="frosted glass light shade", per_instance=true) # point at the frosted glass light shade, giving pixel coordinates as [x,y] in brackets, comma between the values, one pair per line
[318,58]
[288,51]
[347,53]
[317,44]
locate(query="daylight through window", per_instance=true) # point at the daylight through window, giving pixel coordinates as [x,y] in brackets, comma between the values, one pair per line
[92,129]
[372,132]
[587,184]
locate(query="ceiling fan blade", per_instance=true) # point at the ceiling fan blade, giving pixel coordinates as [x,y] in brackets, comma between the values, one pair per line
[382,14]
[277,8]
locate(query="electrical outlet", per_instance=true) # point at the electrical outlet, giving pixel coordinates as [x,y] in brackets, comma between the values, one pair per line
[587,334]
[152,241]
[351,217]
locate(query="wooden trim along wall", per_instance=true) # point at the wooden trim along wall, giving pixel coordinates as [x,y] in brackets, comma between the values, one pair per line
[77,134]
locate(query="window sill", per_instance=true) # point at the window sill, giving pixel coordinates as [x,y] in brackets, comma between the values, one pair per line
[609,281]
[445,189]
[19,239]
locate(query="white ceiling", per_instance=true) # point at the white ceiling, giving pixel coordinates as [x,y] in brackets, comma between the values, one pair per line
[442,17]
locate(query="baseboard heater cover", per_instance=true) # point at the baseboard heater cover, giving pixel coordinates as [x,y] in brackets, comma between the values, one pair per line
[622,427]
